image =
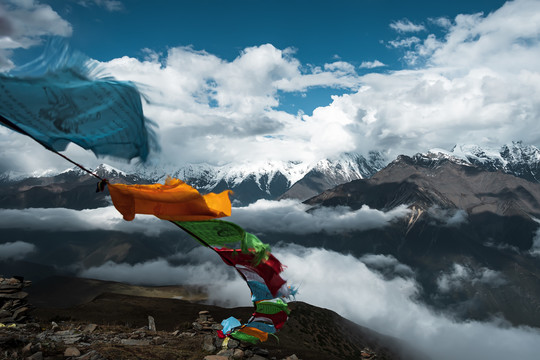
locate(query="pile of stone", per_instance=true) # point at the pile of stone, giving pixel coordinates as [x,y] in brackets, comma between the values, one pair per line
[205,322]
[228,348]
[13,304]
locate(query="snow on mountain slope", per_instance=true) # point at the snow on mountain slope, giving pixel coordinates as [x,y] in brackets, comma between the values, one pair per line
[516,159]
[268,180]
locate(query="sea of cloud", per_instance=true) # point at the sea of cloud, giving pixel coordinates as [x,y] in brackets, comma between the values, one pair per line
[374,291]
[293,217]
[358,289]
[62,219]
[288,216]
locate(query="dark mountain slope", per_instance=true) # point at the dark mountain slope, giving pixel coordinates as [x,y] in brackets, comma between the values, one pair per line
[468,235]
[310,333]
[444,183]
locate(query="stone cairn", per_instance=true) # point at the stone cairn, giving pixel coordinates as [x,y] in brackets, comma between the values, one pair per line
[13,305]
[229,349]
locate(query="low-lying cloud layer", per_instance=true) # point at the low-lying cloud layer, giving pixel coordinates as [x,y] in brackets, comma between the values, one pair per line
[201,266]
[16,250]
[448,217]
[291,216]
[347,285]
[288,216]
[61,219]
[463,275]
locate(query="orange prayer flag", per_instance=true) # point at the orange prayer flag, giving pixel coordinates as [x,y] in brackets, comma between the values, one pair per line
[259,334]
[175,200]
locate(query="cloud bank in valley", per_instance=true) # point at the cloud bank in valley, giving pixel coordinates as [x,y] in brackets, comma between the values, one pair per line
[16,250]
[292,216]
[462,275]
[375,291]
[289,216]
[61,219]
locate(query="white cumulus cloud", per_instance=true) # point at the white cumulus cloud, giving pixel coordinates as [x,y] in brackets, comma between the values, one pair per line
[480,84]
[23,24]
[477,83]
[109,5]
[406,25]
[371,64]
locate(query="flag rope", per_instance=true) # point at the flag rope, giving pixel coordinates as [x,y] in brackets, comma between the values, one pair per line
[24,132]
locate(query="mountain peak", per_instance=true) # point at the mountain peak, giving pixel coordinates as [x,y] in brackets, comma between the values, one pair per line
[516,158]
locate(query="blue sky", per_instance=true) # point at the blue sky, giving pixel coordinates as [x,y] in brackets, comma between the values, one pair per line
[305,80]
[352,29]
[320,31]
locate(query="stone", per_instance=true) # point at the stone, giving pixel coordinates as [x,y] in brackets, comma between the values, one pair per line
[215,357]
[257,357]
[27,349]
[175,332]
[158,340]
[187,334]
[135,342]
[71,352]
[91,355]
[238,354]
[292,357]
[227,353]
[204,312]
[36,356]
[233,344]
[68,337]
[151,324]
[197,326]
[89,328]
[20,311]
[18,295]
[259,351]
[208,344]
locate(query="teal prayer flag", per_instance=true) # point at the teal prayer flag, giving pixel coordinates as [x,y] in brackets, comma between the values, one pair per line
[64,104]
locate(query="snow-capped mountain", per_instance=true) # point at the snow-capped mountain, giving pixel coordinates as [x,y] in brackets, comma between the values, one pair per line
[328,174]
[271,179]
[516,159]
[249,182]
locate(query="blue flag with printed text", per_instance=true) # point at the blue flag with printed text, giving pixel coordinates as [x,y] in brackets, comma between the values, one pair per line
[64,105]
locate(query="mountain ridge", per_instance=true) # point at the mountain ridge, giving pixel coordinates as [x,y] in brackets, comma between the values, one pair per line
[249,182]
[461,216]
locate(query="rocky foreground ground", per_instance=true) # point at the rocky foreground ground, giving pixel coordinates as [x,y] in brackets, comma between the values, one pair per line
[64,335]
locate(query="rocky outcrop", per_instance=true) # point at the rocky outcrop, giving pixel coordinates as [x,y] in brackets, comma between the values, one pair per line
[14,307]
[95,342]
